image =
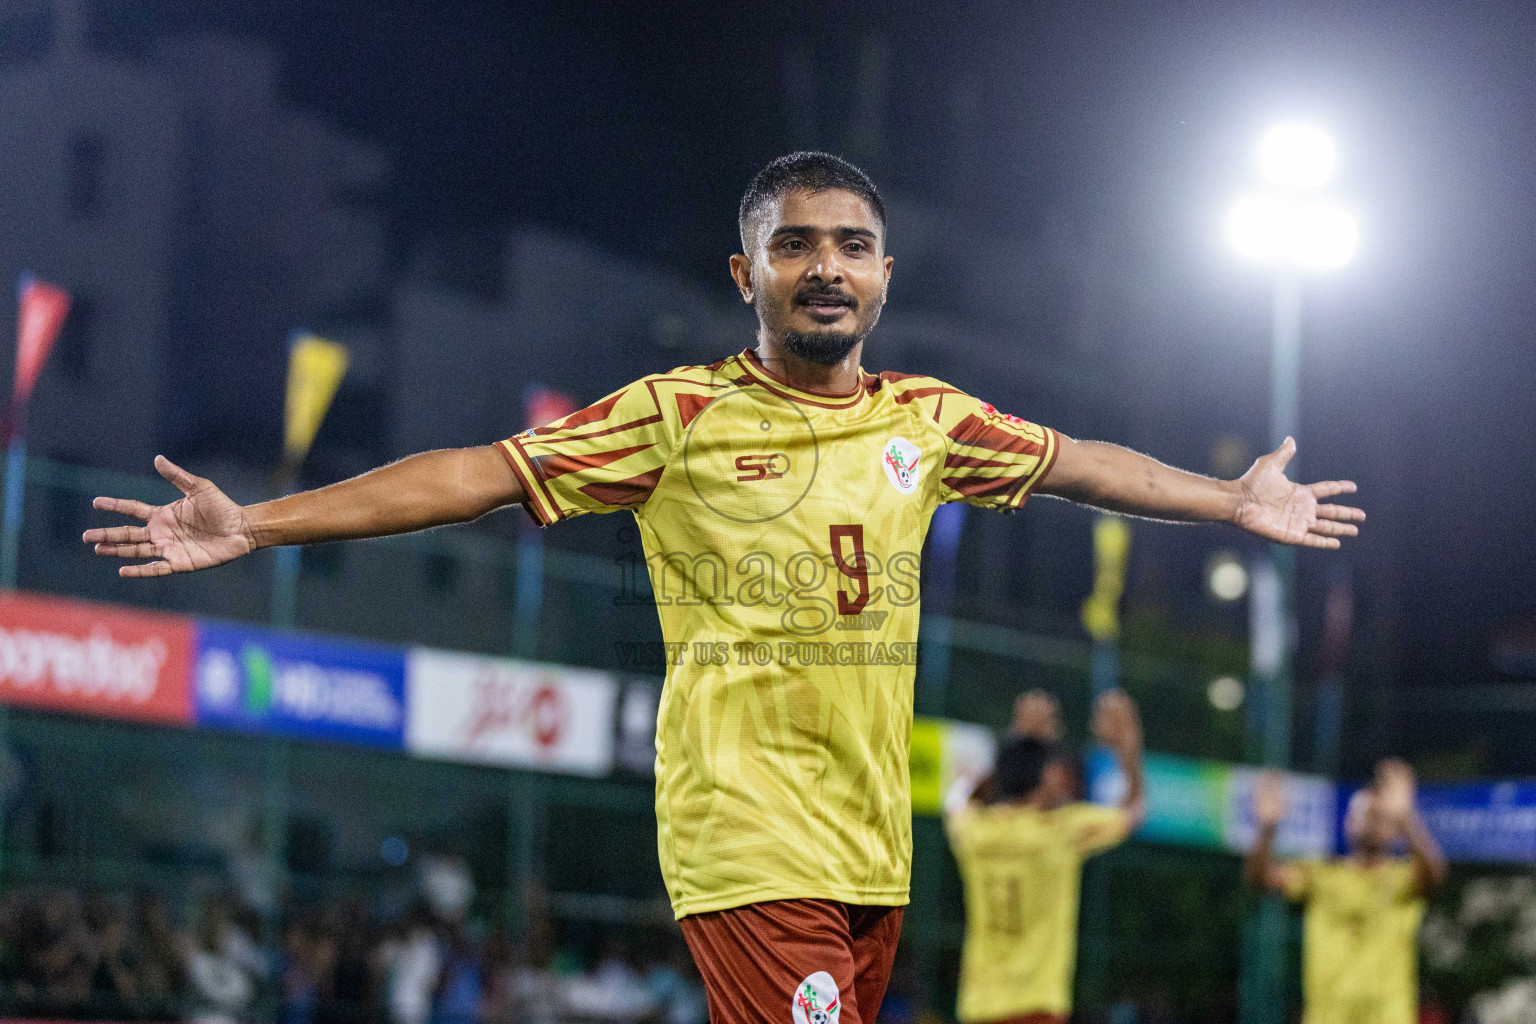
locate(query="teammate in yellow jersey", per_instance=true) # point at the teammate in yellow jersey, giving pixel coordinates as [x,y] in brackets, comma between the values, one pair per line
[1020,840]
[782,496]
[1359,961]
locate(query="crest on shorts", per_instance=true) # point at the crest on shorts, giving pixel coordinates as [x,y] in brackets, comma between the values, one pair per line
[900,460]
[816,1001]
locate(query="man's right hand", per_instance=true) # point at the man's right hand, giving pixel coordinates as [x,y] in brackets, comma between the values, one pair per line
[202,529]
[1269,804]
[1037,714]
[205,528]
[1117,723]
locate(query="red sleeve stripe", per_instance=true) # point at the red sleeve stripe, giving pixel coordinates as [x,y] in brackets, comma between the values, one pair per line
[981,486]
[975,432]
[539,502]
[1025,485]
[559,463]
[633,491]
[631,425]
[953,461]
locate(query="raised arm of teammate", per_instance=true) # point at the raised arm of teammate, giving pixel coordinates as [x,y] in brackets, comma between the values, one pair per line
[1260,867]
[1117,725]
[1036,714]
[1398,795]
[204,528]
[1262,501]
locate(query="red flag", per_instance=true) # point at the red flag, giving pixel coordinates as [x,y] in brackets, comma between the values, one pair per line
[40,311]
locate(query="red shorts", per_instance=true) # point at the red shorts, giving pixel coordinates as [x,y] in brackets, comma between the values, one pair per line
[795,961]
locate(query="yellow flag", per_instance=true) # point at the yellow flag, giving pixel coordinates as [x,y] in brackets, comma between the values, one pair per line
[315,369]
[1111,549]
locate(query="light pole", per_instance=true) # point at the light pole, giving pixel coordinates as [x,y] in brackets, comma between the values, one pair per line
[1294,228]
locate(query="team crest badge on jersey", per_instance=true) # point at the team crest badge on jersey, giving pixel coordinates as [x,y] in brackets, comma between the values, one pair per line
[900,460]
[816,1001]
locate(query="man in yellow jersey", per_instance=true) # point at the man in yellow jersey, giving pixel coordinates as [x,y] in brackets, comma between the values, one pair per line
[1359,961]
[1020,848]
[782,495]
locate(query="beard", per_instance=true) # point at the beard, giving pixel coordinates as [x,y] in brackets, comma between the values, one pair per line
[828,348]
[822,349]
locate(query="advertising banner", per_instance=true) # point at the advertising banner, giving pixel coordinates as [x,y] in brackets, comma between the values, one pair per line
[304,687]
[466,707]
[1209,804]
[88,659]
[942,753]
[1486,822]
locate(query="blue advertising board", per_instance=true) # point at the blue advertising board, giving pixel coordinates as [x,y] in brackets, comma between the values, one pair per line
[1481,822]
[304,687]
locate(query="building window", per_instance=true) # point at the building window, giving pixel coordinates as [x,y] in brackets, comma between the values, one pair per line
[87,159]
[76,346]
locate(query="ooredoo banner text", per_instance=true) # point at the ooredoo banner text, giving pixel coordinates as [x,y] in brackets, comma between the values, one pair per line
[90,659]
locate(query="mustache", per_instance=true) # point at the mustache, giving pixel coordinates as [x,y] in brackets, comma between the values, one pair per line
[826,295]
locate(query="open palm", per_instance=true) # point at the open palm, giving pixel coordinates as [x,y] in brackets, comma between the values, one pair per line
[1277,509]
[202,529]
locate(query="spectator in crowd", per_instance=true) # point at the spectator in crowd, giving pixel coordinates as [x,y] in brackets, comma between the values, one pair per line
[412,961]
[298,976]
[674,987]
[110,957]
[355,987]
[57,951]
[459,988]
[221,984]
[118,960]
[161,971]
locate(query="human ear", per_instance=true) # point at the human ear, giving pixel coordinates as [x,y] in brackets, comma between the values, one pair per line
[741,273]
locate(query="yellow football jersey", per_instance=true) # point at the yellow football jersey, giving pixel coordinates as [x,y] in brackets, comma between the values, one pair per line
[782,530]
[1359,935]
[1022,869]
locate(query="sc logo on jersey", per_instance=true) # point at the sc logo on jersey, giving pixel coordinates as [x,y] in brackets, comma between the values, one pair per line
[762,467]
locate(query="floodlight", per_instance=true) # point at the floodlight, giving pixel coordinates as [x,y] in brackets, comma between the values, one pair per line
[1225,693]
[1325,236]
[1296,156]
[1226,576]
[1280,229]
[1258,227]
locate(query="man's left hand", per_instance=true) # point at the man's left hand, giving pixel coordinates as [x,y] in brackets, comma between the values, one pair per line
[1277,509]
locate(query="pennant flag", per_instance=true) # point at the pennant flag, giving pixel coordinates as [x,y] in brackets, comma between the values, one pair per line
[1111,549]
[40,312]
[315,369]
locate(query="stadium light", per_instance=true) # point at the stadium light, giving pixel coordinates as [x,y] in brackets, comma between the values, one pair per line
[1226,577]
[1286,226]
[1297,156]
[1225,693]
[1281,229]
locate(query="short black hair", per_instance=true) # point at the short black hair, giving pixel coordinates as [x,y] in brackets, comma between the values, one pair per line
[1021,763]
[810,170]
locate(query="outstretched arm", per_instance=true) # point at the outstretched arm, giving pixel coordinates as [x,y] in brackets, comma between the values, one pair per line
[1262,501]
[1260,867]
[1398,791]
[1117,725]
[205,528]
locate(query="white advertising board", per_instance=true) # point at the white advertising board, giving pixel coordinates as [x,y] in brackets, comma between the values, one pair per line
[519,714]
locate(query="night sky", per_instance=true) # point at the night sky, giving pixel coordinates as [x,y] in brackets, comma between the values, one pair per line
[638,125]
